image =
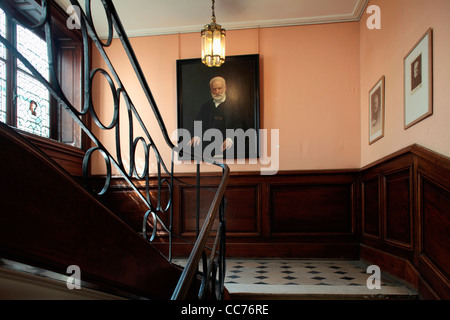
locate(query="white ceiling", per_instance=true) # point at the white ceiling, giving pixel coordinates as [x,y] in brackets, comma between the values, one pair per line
[152,17]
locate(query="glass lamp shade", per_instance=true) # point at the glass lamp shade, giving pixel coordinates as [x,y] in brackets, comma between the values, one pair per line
[213,45]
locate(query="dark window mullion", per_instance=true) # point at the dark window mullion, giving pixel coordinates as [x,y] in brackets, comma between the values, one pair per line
[6,63]
[11,114]
[54,119]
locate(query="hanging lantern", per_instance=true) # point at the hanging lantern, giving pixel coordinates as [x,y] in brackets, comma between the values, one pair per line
[213,43]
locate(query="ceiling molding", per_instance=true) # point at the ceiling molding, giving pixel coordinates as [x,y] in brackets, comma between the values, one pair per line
[355,15]
[360,9]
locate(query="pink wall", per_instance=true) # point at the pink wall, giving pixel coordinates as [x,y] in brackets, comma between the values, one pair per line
[403,22]
[315,82]
[309,89]
[310,83]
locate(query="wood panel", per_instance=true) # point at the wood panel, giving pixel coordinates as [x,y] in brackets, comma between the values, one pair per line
[292,214]
[435,222]
[387,209]
[414,206]
[371,208]
[188,210]
[128,206]
[242,209]
[435,236]
[316,209]
[398,208]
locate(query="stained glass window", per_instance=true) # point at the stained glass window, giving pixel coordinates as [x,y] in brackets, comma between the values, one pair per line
[32,105]
[25,103]
[32,100]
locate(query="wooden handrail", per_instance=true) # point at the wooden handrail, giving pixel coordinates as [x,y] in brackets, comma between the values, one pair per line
[190,270]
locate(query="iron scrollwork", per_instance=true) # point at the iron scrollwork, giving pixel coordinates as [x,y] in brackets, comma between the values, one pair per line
[165,176]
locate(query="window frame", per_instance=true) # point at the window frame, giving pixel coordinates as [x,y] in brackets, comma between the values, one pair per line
[68,156]
[12,73]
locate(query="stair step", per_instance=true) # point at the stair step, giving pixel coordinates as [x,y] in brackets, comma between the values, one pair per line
[314,292]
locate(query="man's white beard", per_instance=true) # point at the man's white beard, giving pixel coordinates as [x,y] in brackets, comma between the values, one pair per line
[218,98]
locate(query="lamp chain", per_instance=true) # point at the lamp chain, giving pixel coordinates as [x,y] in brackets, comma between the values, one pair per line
[213,14]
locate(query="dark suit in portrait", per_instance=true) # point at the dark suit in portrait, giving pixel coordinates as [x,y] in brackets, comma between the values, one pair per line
[219,113]
[222,117]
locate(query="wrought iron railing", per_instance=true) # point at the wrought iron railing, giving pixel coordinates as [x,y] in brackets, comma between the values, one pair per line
[213,271]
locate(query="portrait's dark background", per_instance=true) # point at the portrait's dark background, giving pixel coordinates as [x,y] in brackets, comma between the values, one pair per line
[242,77]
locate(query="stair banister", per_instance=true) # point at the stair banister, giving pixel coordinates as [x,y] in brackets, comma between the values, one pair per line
[14,9]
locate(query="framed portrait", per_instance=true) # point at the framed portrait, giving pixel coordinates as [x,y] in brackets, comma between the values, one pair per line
[218,108]
[418,81]
[376,111]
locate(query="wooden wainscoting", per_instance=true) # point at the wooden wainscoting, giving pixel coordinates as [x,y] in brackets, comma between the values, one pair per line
[394,213]
[387,205]
[405,218]
[433,220]
[290,215]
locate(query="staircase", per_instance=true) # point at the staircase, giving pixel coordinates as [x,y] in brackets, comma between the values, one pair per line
[50,222]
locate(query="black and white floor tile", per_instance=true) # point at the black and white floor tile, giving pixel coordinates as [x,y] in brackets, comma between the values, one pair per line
[308,277]
[294,272]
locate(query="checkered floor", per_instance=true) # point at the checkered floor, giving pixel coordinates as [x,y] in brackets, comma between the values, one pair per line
[312,278]
[287,272]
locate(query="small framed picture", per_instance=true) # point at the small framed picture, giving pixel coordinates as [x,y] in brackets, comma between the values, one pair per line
[418,81]
[376,111]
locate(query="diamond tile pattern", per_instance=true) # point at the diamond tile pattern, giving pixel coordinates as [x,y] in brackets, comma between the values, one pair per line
[306,278]
[299,272]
